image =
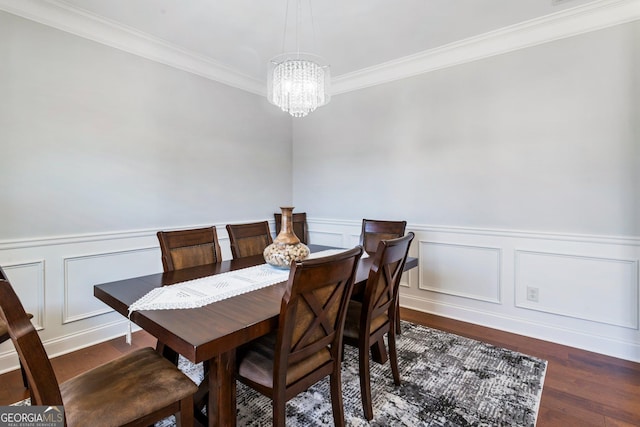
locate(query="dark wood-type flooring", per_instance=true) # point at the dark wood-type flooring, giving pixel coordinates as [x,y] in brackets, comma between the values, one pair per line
[580,389]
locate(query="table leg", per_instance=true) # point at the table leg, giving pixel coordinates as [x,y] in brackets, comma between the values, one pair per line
[379,352]
[167,352]
[221,406]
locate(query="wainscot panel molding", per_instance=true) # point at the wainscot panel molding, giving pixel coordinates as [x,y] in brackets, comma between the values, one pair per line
[326,238]
[440,269]
[54,277]
[82,272]
[32,296]
[566,23]
[604,283]
[587,285]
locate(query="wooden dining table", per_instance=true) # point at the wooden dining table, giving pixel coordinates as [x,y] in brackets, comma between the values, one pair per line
[213,332]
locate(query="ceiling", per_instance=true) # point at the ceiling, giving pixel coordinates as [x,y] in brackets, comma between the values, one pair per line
[352,35]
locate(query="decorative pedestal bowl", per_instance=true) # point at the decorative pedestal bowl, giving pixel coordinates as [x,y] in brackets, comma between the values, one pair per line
[286,247]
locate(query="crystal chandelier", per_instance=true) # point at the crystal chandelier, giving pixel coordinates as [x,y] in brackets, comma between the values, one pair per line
[298,82]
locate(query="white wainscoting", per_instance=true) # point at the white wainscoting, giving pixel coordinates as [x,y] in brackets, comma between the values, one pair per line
[587,286]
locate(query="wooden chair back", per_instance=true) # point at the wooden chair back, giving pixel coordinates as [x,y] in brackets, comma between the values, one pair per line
[44,386]
[189,248]
[249,239]
[313,308]
[4,336]
[300,227]
[373,231]
[381,290]
[368,321]
[307,346]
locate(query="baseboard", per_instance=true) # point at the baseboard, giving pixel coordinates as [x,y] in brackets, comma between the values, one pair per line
[547,332]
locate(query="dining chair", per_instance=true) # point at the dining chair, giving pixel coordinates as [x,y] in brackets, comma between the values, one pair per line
[136,389]
[300,228]
[183,249]
[189,248]
[4,336]
[368,321]
[373,231]
[249,239]
[307,345]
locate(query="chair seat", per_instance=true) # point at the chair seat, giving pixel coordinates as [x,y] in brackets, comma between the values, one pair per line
[257,364]
[352,323]
[124,390]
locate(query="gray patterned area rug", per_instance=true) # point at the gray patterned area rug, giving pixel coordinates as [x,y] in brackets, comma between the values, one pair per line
[447,380]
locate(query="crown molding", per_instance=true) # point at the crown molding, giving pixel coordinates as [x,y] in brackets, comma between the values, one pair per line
[567,23]
[62,16]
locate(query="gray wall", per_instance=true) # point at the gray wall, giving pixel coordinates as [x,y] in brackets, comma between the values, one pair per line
[97,140]
[541,139]
[103,148]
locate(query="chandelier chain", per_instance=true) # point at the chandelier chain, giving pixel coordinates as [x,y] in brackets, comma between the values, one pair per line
[313,27]
[284,34]
[298,25]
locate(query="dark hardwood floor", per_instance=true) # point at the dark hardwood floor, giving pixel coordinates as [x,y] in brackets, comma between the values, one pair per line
[580,389]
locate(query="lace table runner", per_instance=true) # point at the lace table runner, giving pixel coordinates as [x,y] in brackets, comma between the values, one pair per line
[206,290]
